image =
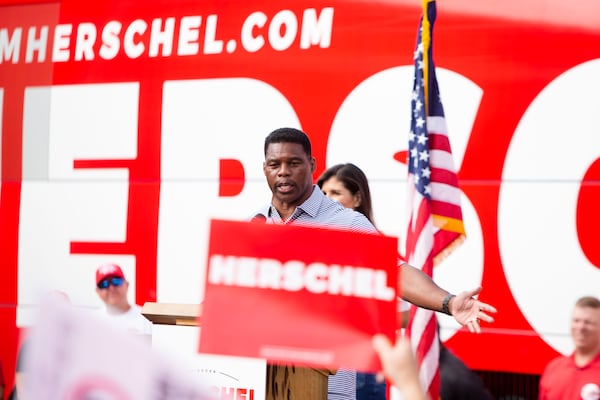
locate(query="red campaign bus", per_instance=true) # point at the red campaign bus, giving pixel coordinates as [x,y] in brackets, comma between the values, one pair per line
[127,126]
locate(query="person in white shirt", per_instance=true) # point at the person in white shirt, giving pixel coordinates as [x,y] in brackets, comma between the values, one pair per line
[112,288]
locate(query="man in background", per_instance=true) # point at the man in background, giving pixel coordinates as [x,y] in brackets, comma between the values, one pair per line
[577,376]
[112,287]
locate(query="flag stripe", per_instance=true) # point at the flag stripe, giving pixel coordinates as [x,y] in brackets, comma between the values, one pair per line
[437,124]
[449,210]
[445,193]
[418,246]
[441,160]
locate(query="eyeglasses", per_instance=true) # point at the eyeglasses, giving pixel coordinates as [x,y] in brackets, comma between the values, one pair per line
[105,283]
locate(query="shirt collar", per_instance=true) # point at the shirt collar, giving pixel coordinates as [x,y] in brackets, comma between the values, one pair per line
[310,206]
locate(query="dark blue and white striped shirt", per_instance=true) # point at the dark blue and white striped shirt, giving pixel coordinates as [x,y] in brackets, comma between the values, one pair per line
[321,211]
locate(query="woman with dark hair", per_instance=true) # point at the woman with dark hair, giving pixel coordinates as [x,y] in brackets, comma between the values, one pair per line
[348,185]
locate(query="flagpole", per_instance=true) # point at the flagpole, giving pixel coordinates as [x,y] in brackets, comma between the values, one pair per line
[426,42]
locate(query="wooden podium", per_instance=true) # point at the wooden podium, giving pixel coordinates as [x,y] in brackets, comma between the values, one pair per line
[284,382]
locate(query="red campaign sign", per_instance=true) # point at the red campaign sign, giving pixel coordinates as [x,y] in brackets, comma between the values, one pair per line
[304,296]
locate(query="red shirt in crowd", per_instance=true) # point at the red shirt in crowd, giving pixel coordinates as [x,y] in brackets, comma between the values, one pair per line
[562,379]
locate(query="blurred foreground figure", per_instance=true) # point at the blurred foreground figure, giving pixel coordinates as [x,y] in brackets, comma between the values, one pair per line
[399,366]
[20,371]
[73,354]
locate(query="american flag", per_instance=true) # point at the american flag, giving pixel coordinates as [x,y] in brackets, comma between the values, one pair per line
[435,224]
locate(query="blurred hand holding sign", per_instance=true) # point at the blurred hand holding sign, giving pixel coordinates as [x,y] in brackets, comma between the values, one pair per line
[298,295]
[75,354]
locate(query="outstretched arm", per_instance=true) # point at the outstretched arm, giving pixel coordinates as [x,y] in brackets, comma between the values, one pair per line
[419,289]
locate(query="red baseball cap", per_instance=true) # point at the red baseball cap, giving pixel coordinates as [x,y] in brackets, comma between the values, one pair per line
[107,271]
